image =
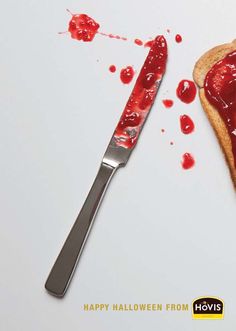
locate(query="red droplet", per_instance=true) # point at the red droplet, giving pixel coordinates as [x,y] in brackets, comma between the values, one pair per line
[178,38]
[188,161]
[127,74]
[186,91]
[112,68]
[186,124]
[162,130]
[168,30]
[138,42]
[171,143]
[82,27]
[168,103]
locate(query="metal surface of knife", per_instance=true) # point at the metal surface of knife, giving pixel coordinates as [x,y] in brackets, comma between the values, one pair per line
[117,154]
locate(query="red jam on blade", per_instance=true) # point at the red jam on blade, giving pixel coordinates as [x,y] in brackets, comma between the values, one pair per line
[220,91]
[82,27]
[186,124]
[142,96]
[186,91]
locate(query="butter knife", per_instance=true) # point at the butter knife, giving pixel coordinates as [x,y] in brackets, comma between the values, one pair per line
[117,154]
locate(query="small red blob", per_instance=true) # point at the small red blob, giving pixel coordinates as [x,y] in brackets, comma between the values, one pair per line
[138,42]
[186,124]
[162,130]
[188,161]
[148,43]
[186,91]
[112,68]
[127,74]
[168,30]
[82,27]
[168,103]
[178,38]
[171,143]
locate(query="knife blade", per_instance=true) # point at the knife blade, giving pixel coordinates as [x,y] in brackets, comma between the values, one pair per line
[117,154]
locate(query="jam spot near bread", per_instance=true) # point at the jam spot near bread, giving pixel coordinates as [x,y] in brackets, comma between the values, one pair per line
[142,96]
[220,91]
[187,161]
[127,74]
[186,91]
[186,124]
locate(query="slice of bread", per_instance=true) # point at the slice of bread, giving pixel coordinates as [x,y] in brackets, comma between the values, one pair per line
[203,65]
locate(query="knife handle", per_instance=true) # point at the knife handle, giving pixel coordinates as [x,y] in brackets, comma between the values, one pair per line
[62,271]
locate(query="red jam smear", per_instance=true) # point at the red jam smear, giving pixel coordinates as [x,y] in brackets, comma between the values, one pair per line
[186,124]
[178,38]
[127,74]
[220,91]
[112,68]
[82,27]
[142,96]
[168,103]
[188,161]
[148,43]
[186,91]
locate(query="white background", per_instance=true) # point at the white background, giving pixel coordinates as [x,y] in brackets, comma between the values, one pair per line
[162,235]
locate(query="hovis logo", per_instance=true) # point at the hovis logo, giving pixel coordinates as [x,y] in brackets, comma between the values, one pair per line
[208,308]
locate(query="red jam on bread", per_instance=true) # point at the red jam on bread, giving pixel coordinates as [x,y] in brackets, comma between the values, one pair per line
[220,91]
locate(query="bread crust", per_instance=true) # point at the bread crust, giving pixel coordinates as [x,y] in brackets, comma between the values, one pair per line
[202,66]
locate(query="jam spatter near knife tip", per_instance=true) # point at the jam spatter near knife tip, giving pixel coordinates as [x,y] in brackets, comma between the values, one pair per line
[82,27]
[220,91]
[142,96]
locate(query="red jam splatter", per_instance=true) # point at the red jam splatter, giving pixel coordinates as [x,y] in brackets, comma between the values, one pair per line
[186,124]
[186,91]
[142,96]
[168,103]
[138,42]
[112,68]
[220,91]
[127,74]
[148,43]
[112,36]
[188,161]
[178,38]
[82,27]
